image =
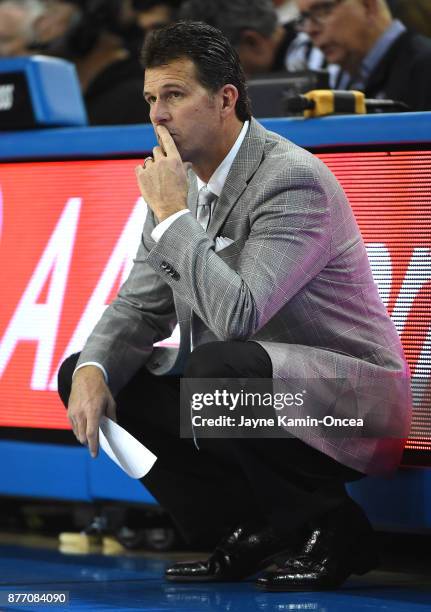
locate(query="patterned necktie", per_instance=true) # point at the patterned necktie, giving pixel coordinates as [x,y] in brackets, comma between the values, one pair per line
[205,200]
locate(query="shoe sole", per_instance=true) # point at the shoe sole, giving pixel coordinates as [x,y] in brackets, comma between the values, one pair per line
[262,565]
[358,571]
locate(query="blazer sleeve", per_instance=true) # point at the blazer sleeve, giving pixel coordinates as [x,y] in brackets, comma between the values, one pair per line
[288,244]
[143,313]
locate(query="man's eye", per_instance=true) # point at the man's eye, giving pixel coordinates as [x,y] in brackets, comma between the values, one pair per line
[175,94]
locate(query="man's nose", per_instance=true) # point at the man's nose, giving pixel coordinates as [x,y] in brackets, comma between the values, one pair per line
[159,113]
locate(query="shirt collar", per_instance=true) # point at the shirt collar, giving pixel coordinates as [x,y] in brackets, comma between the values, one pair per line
[219,176]
[381,47]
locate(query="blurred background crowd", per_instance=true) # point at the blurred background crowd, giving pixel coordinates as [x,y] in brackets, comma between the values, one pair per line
[381,47]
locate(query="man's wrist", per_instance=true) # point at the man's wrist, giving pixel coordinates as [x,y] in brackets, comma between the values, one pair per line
[96,365]
[160,229]
[165,216]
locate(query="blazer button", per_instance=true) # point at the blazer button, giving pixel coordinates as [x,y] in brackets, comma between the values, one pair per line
[176,276]
[164,265]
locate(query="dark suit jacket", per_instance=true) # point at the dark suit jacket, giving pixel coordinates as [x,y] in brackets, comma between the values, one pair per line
[404,73]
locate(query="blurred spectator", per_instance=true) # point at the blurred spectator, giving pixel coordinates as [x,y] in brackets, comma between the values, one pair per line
[286,10]
[415,14]
[61,15]
[378,55]
[252,28]
[263,44]
[17,19]
[57,17]
[152,14]
[301,54]
[92,37]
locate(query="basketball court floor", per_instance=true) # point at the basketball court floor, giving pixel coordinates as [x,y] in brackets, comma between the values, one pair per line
[133,581]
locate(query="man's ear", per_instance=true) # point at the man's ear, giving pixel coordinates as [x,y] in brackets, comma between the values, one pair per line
[229,96]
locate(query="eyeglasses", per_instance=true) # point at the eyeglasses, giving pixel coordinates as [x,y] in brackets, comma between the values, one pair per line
[317,14]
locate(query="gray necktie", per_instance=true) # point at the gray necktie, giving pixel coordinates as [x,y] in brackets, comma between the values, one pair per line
[206,199]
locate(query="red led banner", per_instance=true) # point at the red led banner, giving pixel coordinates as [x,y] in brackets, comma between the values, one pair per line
[390,194]
[69,231]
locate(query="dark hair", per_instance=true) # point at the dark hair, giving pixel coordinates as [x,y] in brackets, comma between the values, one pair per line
[216,61]
[232,17]
[146,5]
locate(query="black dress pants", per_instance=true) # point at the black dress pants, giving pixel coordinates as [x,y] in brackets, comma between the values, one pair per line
[281,481]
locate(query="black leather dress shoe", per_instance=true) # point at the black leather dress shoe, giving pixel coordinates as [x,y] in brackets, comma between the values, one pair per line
[242,553]
[340,544]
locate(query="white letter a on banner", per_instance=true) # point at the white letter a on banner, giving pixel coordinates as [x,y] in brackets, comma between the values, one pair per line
[39,322]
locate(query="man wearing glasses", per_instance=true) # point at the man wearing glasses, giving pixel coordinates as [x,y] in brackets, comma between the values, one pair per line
[377,53]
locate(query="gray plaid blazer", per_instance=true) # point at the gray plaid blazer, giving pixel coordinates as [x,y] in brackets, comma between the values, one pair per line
[296,279]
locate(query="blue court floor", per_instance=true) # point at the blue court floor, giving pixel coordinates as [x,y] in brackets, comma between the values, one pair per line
[122,583]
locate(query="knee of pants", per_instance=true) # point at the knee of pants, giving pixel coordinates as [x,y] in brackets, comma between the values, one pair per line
[210,360]
[64,377]
[230,359]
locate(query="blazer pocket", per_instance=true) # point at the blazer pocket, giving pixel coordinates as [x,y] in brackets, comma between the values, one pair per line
[230,253]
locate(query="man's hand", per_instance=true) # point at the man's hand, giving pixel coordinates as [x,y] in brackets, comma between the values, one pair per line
[162,180]
[90,399]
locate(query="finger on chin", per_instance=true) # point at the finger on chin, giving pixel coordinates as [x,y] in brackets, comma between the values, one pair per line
[166,141]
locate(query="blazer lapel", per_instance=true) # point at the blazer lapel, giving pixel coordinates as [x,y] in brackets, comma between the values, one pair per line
[192,196]
[244,166]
